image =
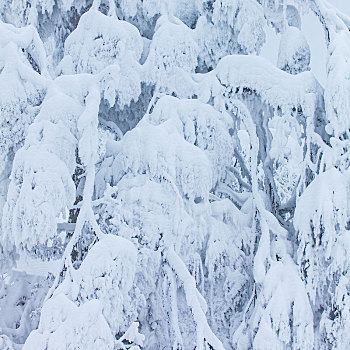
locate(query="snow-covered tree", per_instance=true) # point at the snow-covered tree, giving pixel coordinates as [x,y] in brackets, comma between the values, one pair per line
[163,186]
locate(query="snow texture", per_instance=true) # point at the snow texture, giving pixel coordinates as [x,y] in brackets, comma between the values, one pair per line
[174,174]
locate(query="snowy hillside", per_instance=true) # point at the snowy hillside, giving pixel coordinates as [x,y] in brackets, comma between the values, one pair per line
[174,174]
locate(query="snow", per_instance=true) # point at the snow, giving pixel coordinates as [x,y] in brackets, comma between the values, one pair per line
[33,266]
[315,37]
[325,196]
[193,180]
[294,52]
[174,174]
[280,89]
[270,48]
[107,275]
[97,42]
[173,46]
[64,325]
[195,302]
[341,5]
[109,267]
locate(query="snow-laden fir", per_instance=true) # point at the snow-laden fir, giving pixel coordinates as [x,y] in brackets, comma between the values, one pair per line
[163,186]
